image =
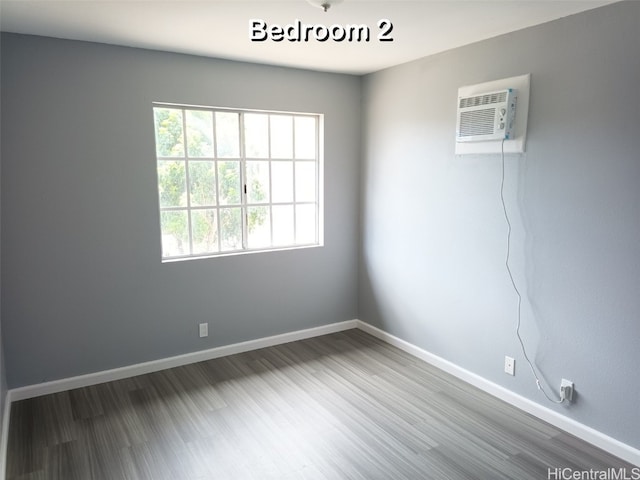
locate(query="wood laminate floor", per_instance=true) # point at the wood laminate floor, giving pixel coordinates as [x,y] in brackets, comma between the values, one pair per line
[340,406]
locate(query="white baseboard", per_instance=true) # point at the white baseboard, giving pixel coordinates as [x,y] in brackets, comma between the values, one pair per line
[89,379]
[4,435]
[588,434]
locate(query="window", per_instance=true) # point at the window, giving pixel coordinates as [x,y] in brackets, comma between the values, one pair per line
[234,181]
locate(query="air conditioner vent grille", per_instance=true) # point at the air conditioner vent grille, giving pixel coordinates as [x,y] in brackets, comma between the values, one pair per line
[485,116]
[479,100]
[477,122]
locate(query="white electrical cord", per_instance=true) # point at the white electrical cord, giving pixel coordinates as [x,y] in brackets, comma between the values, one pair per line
[515,287]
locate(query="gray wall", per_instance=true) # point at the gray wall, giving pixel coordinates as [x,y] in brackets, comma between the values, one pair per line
[3,377]
[83,285]
[434,237]
[83,288]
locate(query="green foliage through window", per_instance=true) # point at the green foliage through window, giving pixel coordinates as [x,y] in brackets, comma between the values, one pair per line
[226,191]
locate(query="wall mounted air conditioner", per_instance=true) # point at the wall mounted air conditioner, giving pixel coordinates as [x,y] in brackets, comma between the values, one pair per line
[486,116]
[479,114]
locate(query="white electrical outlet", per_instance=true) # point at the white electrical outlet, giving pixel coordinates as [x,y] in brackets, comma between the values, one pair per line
[566,390]
[509,365]
[204,330]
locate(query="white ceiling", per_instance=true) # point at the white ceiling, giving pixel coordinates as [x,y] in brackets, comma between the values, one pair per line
[220,28]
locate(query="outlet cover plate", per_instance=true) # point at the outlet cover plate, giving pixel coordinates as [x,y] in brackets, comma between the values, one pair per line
[204,330]
[509,365]
[568,387]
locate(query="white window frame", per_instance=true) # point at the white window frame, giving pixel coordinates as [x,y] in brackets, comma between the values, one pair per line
[244,204]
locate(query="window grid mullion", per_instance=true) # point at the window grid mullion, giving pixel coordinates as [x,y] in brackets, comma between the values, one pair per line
[317,168]
[269,208]
[294,162]
[186,174]
[216,181]
[244,213]
[270,183]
